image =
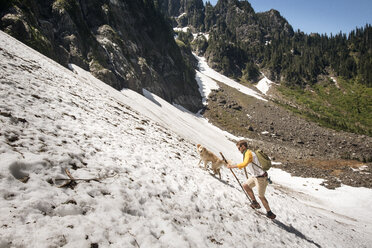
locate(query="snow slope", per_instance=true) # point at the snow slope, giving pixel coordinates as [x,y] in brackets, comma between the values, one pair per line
[207,71]
[151,192]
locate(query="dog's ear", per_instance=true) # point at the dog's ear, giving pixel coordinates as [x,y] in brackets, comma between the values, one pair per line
[198,145]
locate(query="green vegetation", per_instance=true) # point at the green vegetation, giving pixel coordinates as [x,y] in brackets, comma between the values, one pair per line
[300,59]
[293,58]
[39,42]
[240,42]
[181,44]
[345,105]
[297,59]
[185,37]
[251,72]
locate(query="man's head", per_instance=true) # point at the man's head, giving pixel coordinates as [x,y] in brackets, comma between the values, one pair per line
[242,145]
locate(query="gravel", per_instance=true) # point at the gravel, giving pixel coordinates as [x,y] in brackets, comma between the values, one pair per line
[304,148]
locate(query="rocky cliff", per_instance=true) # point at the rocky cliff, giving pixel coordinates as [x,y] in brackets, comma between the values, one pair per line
[124,43]
[183,12]
[236,32]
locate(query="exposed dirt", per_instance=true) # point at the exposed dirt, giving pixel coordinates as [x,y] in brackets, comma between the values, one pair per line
[304,148]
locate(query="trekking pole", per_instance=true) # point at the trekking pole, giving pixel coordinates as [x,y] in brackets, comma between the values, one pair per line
[246,194]
[245,171]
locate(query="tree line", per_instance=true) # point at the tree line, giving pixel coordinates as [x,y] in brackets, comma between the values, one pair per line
[298,59]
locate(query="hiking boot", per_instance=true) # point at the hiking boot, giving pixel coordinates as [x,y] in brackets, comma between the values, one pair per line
[270,215]
[255,205]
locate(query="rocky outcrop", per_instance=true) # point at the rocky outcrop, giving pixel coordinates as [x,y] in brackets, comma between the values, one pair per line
[237,33]
[124,43]
[183,12]
[271,22]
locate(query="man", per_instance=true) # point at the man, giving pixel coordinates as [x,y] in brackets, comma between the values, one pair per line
[258,177]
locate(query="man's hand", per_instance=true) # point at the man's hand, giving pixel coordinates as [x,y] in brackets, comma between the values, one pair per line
[230,166]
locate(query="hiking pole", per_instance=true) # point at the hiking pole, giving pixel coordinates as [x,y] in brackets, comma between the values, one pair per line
[246,194]
[245,171]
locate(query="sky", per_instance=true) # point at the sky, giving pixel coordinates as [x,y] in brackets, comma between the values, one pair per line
[319,16]
[149,190]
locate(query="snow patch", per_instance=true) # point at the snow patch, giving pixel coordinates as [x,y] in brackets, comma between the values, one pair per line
[183,29]
[203,34]
[335,81]
[207,71]
[206,85]
[264,85]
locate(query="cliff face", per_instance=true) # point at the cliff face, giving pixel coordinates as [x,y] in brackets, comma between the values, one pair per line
[124,43]
[183,12]
[237,33]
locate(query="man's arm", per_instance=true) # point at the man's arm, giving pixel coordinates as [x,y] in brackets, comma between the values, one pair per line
[248,158]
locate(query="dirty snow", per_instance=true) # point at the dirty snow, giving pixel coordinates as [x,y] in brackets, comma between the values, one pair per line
[150,192]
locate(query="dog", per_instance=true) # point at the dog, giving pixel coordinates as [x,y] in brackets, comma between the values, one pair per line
[207,156]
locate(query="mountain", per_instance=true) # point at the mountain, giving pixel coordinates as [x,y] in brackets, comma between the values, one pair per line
[237,32]
[233,26]
[324,79]
[242,41]
[127,44]
[138,183]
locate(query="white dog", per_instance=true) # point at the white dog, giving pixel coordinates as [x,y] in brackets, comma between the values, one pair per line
[208,156]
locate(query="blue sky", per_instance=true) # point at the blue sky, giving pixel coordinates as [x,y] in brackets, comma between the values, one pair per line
[319,16]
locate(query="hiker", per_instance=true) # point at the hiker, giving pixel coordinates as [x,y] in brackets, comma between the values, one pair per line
[258,177]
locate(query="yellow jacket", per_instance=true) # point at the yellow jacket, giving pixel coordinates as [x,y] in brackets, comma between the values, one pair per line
[248,158]
[251,162]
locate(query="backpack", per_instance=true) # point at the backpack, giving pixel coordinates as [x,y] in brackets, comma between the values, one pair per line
[264,160]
